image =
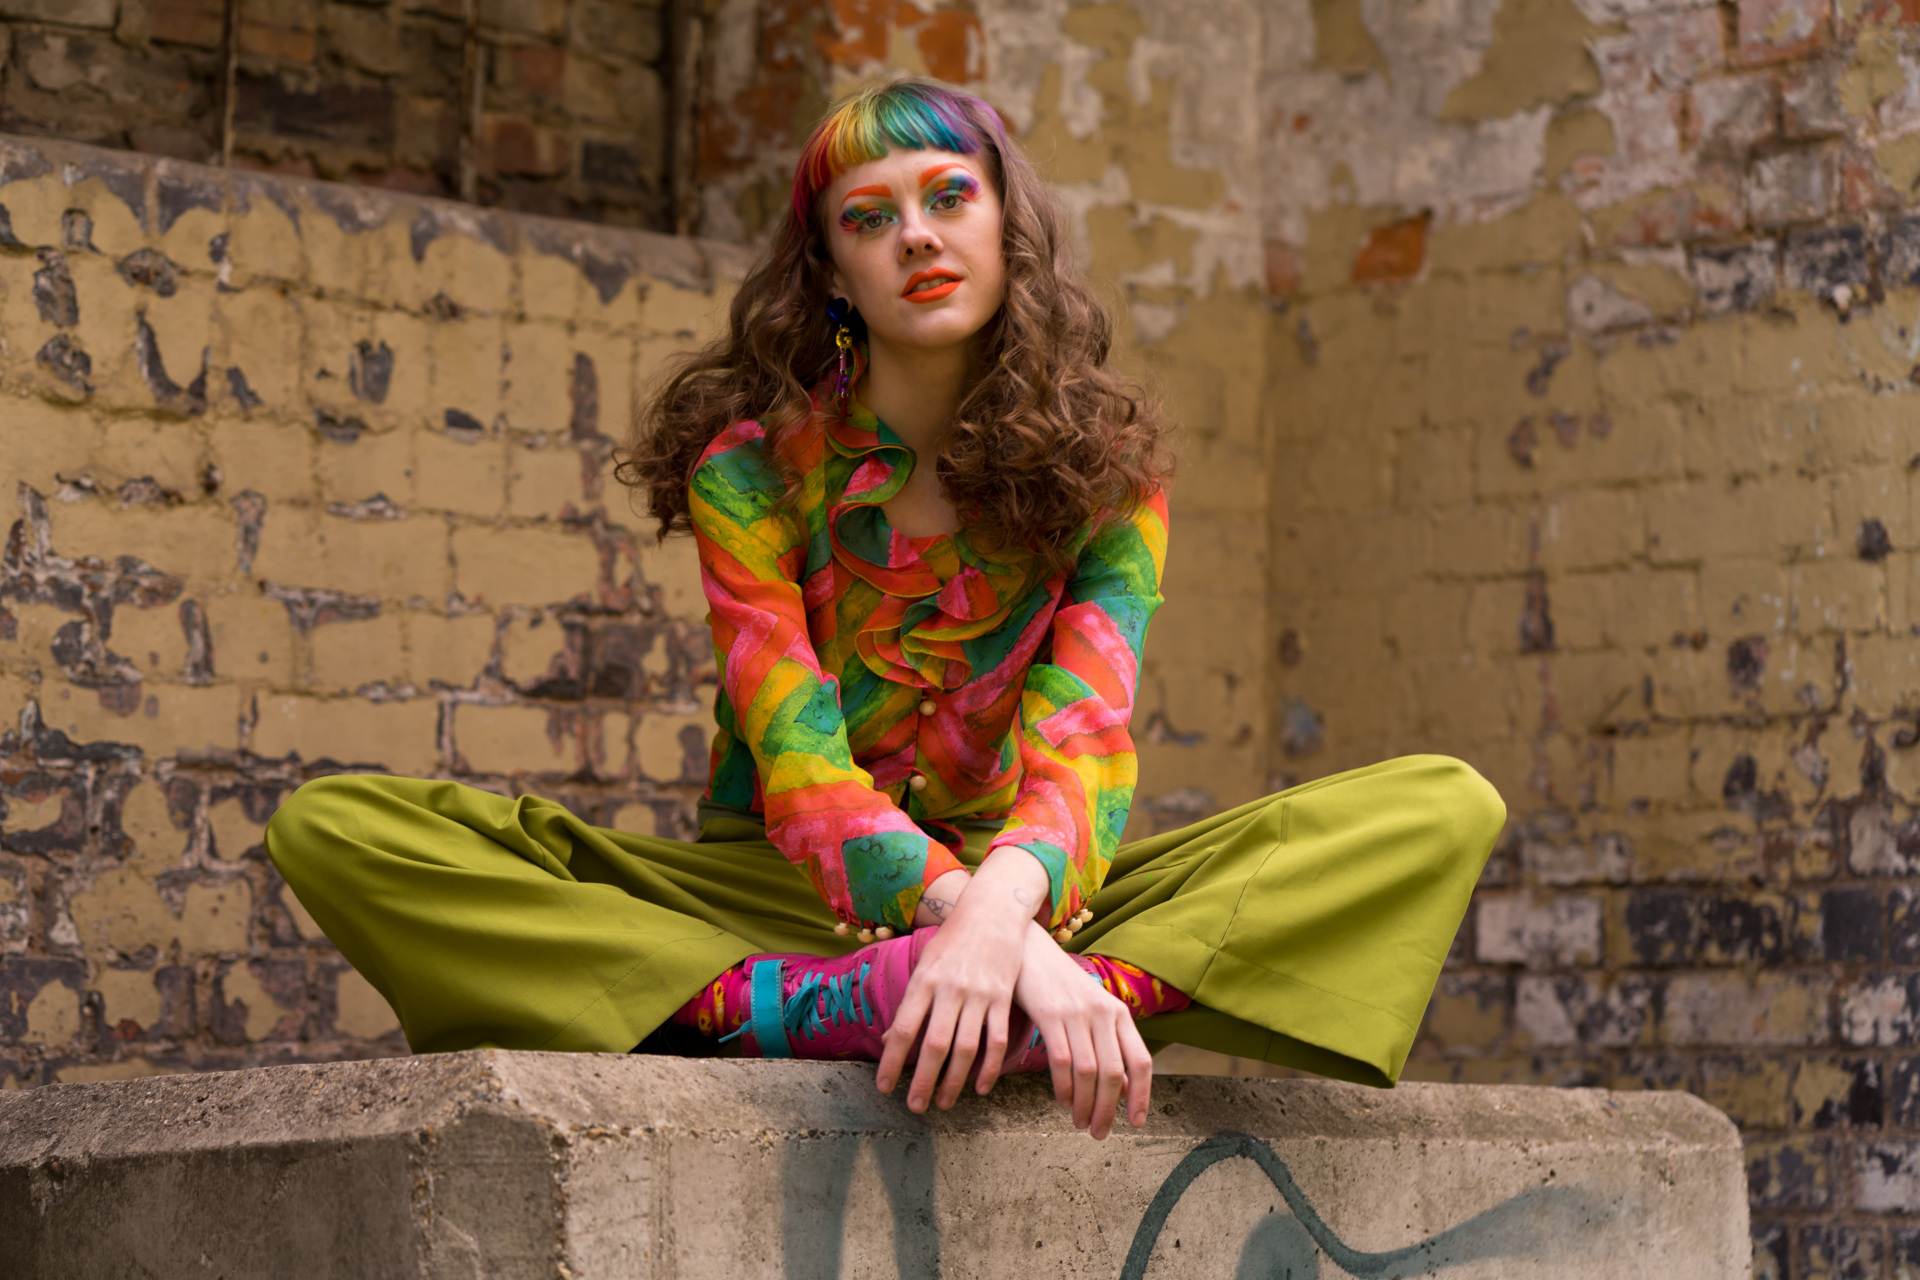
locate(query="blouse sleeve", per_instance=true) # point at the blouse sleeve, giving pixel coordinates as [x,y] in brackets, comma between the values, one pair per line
[1076,754]
[864,856]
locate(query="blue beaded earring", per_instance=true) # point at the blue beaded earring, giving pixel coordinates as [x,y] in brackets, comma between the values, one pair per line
[838,310]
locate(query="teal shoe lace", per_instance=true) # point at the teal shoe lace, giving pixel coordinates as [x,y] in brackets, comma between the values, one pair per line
[774,1021]
[846,1001]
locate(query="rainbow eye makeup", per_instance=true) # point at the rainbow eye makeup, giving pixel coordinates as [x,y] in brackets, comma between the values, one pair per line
[864,217]
[944,187]
[952,189]
[861,213]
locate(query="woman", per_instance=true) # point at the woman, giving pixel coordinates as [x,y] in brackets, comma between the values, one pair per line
[931,530]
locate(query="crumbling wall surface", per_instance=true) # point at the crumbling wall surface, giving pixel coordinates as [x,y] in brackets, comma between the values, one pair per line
[304,478]
[1592,364]
[570,118]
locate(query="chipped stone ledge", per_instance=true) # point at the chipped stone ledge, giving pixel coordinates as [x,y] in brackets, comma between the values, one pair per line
[535,1165]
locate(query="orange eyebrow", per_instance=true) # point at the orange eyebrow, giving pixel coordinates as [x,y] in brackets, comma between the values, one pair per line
[881,190]
[927,175]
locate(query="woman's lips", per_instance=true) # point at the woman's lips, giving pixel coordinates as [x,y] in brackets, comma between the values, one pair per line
[913,292]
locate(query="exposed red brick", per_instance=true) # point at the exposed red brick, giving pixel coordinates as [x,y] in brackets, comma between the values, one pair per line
[181,144]
[1393,252]
[1285,267]
[415,181]
[1776,30]
[198,22]
[787,32]
[285,43]
[1685,214]
[292,166]
[953,46]
[539,70]
[519,148]
[858,32]
[755,119]
[1862,186]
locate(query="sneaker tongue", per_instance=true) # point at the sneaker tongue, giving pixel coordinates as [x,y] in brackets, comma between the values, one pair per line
[768,1032]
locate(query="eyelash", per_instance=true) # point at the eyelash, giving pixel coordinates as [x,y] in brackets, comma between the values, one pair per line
[854,220]
[959,186]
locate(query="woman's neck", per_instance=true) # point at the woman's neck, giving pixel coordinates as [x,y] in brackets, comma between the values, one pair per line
[915,391]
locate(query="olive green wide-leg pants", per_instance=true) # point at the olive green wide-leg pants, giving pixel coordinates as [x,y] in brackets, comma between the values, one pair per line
[1308,927]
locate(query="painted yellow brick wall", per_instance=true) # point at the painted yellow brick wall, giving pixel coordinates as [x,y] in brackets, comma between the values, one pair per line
[1591,392]
[303,478]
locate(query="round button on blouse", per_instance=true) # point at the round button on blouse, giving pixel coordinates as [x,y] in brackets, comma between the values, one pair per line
[918,782]
[927,708]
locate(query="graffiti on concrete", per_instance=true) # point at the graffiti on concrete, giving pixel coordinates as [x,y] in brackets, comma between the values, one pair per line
[1290,1248]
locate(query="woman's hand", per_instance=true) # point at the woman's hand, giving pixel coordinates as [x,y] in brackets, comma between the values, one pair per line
[1093,1048]
[962,989]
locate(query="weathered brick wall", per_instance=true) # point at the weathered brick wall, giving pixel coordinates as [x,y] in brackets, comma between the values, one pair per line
[304,477]
[1546,368]
[354,441]
[1592,387]
[572,118]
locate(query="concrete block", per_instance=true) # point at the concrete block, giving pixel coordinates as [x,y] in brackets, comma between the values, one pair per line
[527,1164]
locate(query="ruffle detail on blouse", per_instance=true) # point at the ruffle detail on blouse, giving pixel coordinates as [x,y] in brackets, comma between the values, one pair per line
[939,592]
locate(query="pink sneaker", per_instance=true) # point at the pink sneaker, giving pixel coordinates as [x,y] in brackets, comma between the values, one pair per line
[1026,1051]
[823,1007]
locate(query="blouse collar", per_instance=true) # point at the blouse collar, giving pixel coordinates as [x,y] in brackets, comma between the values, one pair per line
[927,635]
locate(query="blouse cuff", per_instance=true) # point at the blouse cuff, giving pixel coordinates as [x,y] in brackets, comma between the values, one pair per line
[888,871]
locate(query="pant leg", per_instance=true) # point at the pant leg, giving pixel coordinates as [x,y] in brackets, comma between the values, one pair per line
[1309,927]
[510,923]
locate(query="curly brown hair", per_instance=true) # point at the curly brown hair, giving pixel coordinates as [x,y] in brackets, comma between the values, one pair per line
[1047,440]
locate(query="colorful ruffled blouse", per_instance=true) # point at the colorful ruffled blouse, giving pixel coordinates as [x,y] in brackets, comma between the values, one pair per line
[878,691]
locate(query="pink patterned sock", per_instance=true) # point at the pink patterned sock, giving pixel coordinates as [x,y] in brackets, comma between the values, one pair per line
[1143,993]
[721,1005]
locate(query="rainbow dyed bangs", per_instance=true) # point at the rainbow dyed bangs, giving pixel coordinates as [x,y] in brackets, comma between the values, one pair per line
[911,115]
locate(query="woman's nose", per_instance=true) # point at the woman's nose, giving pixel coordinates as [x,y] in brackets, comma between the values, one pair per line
[917,239]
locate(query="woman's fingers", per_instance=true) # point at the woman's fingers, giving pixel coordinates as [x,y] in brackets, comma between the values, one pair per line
[993,1053]
[1086,1068]
[934,1046]
[901,1034]
[966,1048]
[1053,1032]
[1110,1077]
[1139,1073]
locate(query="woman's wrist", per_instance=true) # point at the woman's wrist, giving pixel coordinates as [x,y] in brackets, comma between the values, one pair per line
[938,900]
[1020,884]
[1010,886]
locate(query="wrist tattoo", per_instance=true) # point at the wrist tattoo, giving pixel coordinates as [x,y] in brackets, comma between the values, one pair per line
[938,908]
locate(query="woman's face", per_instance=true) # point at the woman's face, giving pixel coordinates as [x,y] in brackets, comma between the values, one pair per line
[915,240]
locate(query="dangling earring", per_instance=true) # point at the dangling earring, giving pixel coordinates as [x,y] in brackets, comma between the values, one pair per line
[838,309]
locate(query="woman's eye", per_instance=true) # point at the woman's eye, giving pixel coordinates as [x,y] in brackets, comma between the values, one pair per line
[873,220]
[948,202]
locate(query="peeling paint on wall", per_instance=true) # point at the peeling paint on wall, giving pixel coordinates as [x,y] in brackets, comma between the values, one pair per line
[253,541]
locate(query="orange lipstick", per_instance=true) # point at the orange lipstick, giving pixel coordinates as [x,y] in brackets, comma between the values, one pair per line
[914,293]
